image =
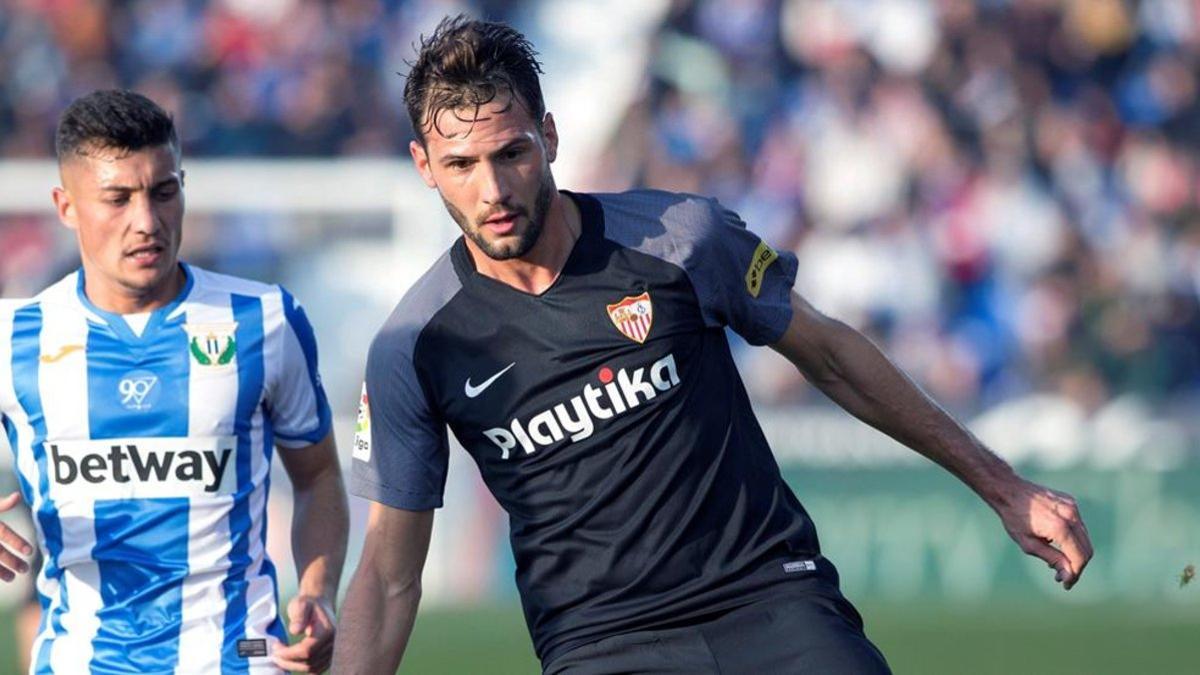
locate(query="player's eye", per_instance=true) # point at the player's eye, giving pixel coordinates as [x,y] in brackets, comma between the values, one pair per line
[512,153]
[121,200]
[166,193]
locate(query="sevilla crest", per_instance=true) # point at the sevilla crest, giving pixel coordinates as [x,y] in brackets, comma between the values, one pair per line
[633,316]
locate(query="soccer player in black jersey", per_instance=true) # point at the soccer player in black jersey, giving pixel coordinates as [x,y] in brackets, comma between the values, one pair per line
[575,346]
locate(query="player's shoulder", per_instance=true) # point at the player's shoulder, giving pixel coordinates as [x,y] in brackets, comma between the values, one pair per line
[10,306]
[669,225]
[431,292]
[205,282]
[62,295]
[279,308]
[639,209]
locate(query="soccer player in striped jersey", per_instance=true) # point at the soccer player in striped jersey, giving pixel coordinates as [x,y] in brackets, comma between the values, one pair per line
[144,399]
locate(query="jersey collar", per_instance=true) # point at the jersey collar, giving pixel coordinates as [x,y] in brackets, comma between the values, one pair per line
[591,230]
[117,323]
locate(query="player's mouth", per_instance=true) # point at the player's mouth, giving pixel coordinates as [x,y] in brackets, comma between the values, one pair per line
[146,256]
[502,223]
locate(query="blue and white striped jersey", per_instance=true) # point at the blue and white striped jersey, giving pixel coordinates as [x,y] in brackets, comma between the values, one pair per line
[146,462]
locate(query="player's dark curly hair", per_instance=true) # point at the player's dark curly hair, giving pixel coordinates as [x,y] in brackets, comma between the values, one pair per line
[113,119]
[468,63]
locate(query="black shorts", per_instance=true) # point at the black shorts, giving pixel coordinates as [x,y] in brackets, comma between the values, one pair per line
[809,633]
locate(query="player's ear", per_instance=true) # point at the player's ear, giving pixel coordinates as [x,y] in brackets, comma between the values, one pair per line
[550,133]
[421,158]
[64,207]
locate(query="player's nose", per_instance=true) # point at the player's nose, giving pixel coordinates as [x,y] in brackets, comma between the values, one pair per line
[144,217]
[494,187]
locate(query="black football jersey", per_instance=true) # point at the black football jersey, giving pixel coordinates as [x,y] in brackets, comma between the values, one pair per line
[606,416]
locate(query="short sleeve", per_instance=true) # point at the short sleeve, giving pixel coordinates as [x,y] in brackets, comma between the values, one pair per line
[401,450]
[298,408]
[740,281]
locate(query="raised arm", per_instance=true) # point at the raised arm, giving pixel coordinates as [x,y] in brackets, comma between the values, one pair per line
[851,370]
[320,520]
[381,603]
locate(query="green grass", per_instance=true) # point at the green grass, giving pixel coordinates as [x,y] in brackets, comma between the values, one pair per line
[1027,638]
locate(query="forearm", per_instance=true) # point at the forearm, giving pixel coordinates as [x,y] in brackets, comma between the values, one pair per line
[861,379]
[320,522]
[854,373]
[376,621]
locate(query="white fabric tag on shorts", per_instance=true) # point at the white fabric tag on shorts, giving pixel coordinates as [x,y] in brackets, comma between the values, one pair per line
[799,566]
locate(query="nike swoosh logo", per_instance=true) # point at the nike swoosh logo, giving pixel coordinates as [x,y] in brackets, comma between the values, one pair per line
[62,353]
[472,391]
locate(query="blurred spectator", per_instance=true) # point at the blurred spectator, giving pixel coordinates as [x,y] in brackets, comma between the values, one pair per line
[247,77]
[1004,193]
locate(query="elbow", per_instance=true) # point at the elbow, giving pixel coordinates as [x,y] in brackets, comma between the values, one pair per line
[405,590]
[394,585]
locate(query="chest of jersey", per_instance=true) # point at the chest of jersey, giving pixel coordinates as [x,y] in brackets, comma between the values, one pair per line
[131,419]
[525,379]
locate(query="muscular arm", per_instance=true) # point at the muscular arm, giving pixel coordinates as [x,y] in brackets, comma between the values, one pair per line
[320,520]
[381,603]
[849,369]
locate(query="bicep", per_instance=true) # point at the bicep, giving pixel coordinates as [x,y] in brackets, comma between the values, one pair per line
[397,542]
[308,464]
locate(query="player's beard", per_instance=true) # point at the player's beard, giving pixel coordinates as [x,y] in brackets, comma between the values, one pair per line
[526,239]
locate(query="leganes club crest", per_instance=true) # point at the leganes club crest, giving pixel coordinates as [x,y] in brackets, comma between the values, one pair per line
[212,344]
[633,316]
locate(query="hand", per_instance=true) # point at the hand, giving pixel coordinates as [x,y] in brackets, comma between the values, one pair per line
[10,541]
[1046,523]
[312,618]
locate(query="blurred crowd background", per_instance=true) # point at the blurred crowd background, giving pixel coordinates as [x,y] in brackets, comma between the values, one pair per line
[1003,193]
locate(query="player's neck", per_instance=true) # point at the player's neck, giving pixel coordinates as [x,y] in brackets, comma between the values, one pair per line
[537,270]
[112,297]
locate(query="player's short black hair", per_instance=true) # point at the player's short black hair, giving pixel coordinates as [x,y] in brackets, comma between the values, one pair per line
[113,119]
[468,63]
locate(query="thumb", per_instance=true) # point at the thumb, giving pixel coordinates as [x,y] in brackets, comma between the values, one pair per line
[9,501]
[299,612]
[1053,557]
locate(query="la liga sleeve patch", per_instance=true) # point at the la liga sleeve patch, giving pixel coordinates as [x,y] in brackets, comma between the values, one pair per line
[362,429]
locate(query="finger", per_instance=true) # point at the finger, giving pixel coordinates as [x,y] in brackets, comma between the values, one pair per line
[1052,556]
[12,562]
[299,614]
[1085,539]
[309,662]
[1079,531]
[1068,543]
[321,654]
[301,651]
[10,501]
[321,658]
[292,666]
[10,537]
[1078,565]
